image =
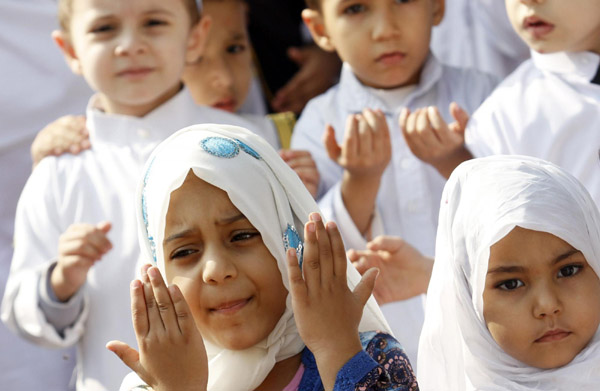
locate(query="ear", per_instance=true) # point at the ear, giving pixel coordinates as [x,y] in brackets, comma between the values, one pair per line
[314,21]
[439,7]
[63,41]
[197,39]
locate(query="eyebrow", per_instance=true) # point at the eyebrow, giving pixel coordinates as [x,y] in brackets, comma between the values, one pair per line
[186,232]
[517,269]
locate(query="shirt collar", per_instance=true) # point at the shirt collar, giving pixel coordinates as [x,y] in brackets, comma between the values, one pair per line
[128,130]
[582,64]
[355,97]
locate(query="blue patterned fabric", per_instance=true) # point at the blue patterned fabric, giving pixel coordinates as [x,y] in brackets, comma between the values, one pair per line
[382,365]
[291,239]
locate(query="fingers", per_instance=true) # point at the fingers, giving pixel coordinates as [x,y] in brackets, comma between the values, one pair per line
[338,251]
[461,117]
[163,300]
[333,149]
[185,320]
[139,313]
[386,243]
[155,322]
[325,257]
[363,290]
[311,266]
[297,285]
[127,354]
[84,240]
[365,131]
[351,137]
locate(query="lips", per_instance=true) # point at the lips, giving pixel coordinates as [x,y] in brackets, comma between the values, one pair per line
[138,72]
[537,26]
[230,307]
[391,58]
[225,104]
[553,335]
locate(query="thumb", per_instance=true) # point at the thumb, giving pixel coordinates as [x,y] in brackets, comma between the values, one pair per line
[127,354]
[461,117]
[296,55]
[104,226]
[365,287]
[333,149]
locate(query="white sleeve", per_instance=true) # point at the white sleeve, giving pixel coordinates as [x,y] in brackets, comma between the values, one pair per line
[483,136]
[37,230]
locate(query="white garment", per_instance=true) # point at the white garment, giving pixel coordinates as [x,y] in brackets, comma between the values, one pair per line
[96,185]
[547,109]
[272,197]
[409,195]
[477,34]
[37,87]
[483,201]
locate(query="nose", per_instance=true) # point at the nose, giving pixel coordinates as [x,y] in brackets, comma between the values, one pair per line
[222,77]
[546,302]
[218,268]
[385,25]
[130,43]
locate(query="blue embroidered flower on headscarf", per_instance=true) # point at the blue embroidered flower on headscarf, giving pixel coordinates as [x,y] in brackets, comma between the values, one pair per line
[226,147]
[291,239]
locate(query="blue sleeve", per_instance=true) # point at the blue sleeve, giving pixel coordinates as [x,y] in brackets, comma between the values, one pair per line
[381,365]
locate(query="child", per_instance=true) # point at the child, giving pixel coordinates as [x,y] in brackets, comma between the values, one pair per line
[217,211]
[387,66]
[221,78]
[514,299]
[550,106]
[75,247]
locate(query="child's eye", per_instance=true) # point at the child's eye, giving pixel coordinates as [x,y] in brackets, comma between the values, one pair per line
[234,49]
[569,270]
[155,22]
[183,253]
[510,285]
[246,235]
[354,9]
[403,1]
[105,28]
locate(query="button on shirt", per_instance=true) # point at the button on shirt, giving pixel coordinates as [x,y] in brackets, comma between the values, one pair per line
[408,200]
[548,108]
[94,186]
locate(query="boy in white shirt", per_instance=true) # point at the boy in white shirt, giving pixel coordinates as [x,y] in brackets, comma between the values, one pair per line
[387,66]
[550,106]
[75,239]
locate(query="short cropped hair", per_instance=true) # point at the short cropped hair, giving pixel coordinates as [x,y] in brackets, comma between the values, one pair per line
[313,4]
[65,10]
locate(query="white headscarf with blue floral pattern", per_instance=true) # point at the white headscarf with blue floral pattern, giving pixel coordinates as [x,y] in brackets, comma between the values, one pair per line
[274,200]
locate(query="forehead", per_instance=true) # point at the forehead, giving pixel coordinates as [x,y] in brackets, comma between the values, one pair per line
[124,8]
[226,15]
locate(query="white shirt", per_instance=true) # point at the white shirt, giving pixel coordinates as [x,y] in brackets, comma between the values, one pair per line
[409,196]
[477,34]
[547,109]
[93,186]
[37,88]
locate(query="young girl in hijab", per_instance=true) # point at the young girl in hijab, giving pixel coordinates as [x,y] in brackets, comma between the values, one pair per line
[514,298]
[220,214]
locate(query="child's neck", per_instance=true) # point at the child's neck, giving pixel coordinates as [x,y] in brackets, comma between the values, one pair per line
[112,106]
[282,374]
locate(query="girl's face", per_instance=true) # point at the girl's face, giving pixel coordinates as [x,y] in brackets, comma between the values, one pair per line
[221,78]
[541,301]
[226,273]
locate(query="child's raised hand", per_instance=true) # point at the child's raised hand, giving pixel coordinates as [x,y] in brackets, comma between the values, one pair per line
[79,247]
[404,271]
[432,140]
[327,313]
[172,354]
[366,150]
[66,134]
[304,165]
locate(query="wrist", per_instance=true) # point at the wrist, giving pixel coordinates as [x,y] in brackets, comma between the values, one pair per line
[62,288]
[331,360]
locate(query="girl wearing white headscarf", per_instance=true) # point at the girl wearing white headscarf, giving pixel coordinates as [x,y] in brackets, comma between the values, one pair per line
[273,199]
[482,203]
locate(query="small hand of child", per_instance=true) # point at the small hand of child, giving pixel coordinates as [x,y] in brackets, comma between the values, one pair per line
[327,313]
[79,247]
[317,72]
[404,271]
[304,165]
[172,354]
[66,134]
[364,156]
[432,140]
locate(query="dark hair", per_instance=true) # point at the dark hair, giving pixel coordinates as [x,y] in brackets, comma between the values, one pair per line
[313,4]
[65,10]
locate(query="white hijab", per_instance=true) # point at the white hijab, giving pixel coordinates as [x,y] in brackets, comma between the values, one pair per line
[483,201]
[274,200]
